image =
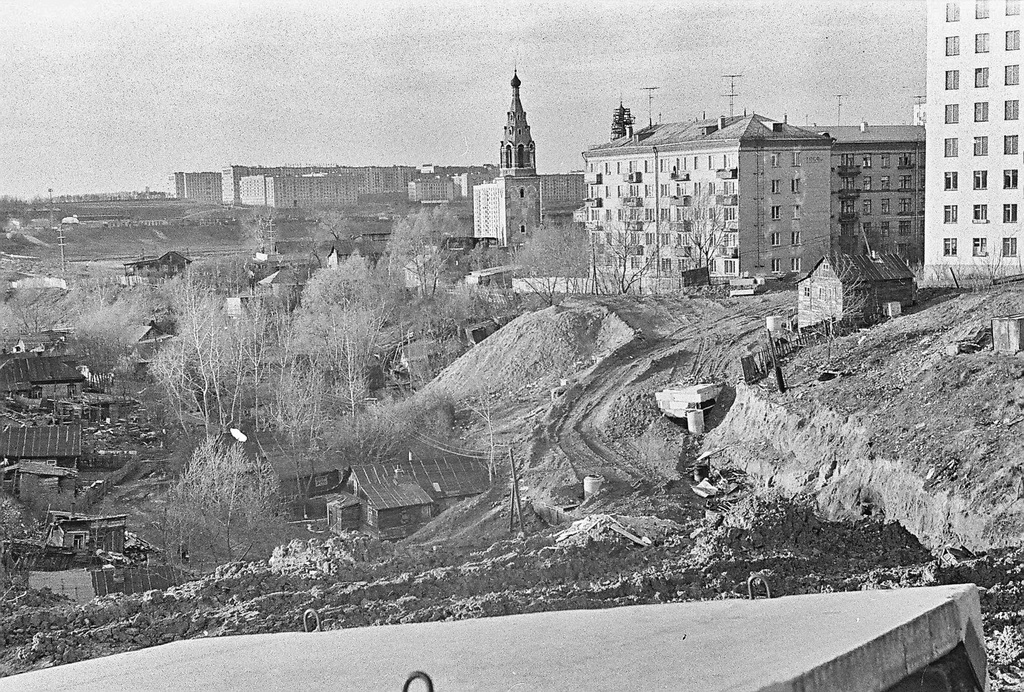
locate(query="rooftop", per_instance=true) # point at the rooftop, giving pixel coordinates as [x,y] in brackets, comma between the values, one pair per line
[878,267]
[384,489]
[858,134]
[41,442]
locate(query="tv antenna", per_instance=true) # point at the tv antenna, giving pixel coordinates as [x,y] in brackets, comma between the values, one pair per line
[839,109]
[732,90]
[650,102]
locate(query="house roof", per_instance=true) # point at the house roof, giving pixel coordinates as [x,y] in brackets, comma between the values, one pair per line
[172,255]
[739,128]
[879,267]
[377,482]
[41,442]
[39,468]
[18,372]
[852,134]
[450,477]
[341,500]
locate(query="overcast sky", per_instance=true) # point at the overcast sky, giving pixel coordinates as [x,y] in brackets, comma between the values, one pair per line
[102,96]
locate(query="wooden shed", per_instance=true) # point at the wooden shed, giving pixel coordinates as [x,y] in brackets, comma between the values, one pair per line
[393,504]
[57,445]
[854,288]
[1008,334]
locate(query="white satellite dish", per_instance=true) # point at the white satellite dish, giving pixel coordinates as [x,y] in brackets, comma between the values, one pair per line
[238,435]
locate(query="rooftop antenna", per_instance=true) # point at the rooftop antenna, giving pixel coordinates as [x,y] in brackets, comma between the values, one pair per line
[839,109]
[732,90]
[650,102]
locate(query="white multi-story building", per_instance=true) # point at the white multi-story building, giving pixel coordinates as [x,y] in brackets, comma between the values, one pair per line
[973,190]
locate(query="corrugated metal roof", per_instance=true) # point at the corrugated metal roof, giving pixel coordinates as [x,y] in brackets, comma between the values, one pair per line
[17,372]
[454,477]
[379,485]
[881,267]
[742,128]
[41,442]
[852,134]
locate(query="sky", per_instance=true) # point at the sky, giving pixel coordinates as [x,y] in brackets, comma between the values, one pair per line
[101,95]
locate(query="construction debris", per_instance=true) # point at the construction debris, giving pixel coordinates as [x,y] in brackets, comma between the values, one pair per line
[604,527]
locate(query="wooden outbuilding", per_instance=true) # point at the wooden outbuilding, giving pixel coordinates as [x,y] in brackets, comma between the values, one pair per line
[853,289]
[393,505]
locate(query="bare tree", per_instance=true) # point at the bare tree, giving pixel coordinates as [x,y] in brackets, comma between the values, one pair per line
[622,262]
[554,260]
[418,249]
[707,229]
[38,309]
[257,227]
[225,494]
[836,295]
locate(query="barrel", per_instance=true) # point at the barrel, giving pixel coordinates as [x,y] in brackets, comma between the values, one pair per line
[695,421]
[592,486]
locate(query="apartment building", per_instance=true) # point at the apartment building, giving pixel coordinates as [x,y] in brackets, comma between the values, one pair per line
[369,180]
[562,189]
[431,189]
[310,191]
[973,194]
[742,195]
[878,189]
[200,187]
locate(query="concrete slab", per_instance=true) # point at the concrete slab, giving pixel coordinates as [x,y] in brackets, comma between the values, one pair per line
[863,641]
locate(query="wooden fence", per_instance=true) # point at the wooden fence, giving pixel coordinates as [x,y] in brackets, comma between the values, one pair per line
[758,365]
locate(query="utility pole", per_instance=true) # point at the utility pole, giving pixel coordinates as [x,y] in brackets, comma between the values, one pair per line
[839,109]
[650,102]
[60,235]
[732,90]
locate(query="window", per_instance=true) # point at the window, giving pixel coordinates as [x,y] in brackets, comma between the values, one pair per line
[522,193]
[980,213]
[776,239]
[905,182]
[950,149]
[794,264]
[794,237]
[867,206]
[949,213]
[867,182]
[522,229]
[904,205]
[1009,213]
[885,206]
[1010,179]
[776,187]
[981,9]
[981,146]
[952,80]
[776,212]
[1012,8]
[1012,75]
[885,160]
[775,160]
[885,182]
[952,113]
[905,227]
[981,43]
[883,229]
[952,45]
[1013,40]
[866,161]
[1009,247]
[981,112]
[796,211]
[980,180]
[1010,144]
[951,180]
[1011,109]
[795,185]
[866,227]
[949,247]
[777,266]
[952,11]
[728,266]
[980,247]
[981,77]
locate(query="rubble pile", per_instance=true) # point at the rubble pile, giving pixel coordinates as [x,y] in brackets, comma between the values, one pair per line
[332,556]
[642,531]
[632,414]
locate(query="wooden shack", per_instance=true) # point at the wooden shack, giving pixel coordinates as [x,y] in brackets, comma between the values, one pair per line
[40,486]
[393,505]
[36,377]
[56,445]
[852,289]
[344,512]
[1008,334]
[85,534]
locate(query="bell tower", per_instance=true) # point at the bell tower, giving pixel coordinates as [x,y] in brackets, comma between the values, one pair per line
[518,155]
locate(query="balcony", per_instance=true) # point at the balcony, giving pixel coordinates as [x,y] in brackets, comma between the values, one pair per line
[593,178]
[847,216]
[679,175]
[848,170]
[633,177]
[728,252]
[732,225]
[682,201]
[594,202]
[632,201]
[727,200]
[849,193]
[727,173]
[906,165]
[634,225]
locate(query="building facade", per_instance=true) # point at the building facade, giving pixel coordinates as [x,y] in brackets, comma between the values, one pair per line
[368,180]
[309,191]
[486,217]
[518,187]
[878,191]
[743,195]
[431,189]
[562,189]
[200,187]
[973,195]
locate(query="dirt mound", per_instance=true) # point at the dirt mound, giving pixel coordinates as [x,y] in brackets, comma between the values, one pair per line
[537,349]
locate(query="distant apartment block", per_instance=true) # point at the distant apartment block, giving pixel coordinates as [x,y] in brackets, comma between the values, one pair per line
[973,193]
[198,187]
[747,195]
[466,182]
[562,189]
[369,180]
[431,189]
[309,191]
[486,210]
[878,190]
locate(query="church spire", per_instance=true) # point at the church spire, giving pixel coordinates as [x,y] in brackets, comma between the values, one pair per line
[518,153]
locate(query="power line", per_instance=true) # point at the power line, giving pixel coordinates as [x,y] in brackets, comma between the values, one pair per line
[732,90]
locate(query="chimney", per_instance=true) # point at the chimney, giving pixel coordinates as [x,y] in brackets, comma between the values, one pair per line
[864,126]
[721,122]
